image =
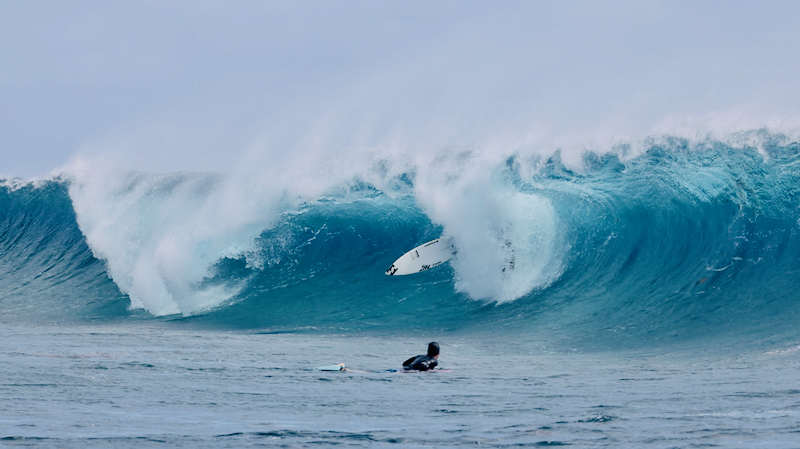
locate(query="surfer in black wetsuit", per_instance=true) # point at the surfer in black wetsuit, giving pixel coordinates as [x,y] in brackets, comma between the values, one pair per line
[424,362]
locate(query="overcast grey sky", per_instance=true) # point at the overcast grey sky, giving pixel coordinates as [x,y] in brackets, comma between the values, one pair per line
[196,85]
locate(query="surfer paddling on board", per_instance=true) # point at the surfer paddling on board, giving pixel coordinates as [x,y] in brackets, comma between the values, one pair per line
[424,362]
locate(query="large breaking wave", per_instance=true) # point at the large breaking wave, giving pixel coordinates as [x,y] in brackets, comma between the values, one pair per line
[680,240]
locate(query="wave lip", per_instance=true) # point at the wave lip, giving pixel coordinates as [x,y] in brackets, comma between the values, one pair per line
[681,241]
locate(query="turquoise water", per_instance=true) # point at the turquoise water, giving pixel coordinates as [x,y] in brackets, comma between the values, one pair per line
[653,302]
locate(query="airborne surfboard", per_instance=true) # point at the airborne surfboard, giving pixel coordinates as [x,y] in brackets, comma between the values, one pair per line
[423,257]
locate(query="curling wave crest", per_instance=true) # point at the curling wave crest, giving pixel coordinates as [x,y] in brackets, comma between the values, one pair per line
[679,239]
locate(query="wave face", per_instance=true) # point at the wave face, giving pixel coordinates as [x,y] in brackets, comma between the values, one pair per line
[47,271]
[682,241]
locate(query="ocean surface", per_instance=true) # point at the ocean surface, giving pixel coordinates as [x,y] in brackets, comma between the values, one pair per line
[642,297]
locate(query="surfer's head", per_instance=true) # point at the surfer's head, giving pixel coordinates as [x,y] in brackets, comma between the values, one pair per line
[433,349]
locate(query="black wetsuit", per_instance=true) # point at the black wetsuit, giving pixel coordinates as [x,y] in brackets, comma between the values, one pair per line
[421,363]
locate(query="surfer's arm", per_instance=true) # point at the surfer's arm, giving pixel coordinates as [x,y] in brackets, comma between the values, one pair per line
[409,362]
[428,365]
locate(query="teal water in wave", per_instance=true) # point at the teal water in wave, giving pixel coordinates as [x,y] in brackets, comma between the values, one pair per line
[653,302]
[680,243]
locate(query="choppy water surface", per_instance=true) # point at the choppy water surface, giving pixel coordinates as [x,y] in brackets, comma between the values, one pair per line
[144,385]
[642,297]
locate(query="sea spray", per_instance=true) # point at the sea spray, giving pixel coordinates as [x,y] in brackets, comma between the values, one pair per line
[507,240]
[161,234]
[682,240]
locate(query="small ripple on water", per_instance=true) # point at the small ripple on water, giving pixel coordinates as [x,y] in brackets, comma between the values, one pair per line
[598,418]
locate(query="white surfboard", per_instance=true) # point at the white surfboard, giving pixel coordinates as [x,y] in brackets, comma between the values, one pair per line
[338,367]
[423,257]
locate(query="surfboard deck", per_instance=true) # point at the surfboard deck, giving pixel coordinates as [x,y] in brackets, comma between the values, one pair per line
[338,367]
[423,257]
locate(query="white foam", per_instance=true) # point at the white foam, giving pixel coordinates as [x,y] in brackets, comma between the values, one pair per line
[161,234]
[508,242]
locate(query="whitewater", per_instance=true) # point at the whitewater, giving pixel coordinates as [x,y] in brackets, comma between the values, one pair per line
[652,299]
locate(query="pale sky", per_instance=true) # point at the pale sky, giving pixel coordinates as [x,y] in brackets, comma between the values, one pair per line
[197,85]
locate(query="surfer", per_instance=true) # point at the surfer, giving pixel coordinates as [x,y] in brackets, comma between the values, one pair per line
[424,362]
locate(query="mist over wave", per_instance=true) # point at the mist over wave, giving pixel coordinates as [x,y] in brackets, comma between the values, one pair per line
[679,238]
